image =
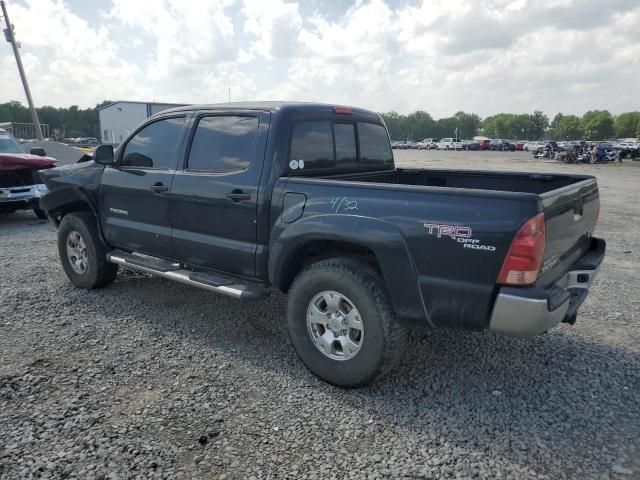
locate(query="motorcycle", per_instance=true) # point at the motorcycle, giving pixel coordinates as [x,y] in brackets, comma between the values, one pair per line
[583,153]
[548,151]
[604,154]
[568,156]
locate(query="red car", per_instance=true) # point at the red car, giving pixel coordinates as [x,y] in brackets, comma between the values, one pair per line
[485,144]
[20,183]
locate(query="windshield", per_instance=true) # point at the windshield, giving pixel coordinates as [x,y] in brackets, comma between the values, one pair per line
[8,144]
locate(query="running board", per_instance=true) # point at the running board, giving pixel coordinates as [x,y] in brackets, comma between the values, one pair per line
[172,271]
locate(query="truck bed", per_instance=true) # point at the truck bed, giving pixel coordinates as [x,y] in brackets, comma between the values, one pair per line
[489,206]
[476,180]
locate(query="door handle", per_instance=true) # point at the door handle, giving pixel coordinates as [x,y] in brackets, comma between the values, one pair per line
[238,196]
[158,187]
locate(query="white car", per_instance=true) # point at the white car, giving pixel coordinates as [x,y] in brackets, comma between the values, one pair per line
[449,144]
[533,146]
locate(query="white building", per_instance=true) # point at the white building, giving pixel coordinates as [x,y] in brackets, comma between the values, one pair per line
[119,119]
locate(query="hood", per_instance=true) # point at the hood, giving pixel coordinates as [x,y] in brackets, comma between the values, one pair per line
[18,161]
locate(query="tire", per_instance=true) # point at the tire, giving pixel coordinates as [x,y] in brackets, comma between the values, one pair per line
[375,346]
[90,269]
[40,213]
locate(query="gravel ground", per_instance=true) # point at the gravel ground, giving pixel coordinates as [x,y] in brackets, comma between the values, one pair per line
[149,378]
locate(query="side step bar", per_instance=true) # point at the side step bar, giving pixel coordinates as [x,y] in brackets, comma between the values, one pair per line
[172,271]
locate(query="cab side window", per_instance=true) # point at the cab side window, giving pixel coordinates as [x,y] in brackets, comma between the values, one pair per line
[155,145]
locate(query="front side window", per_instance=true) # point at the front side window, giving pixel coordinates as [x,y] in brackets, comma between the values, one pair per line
[155,145]
[223,143]
[312,142]
[375,148]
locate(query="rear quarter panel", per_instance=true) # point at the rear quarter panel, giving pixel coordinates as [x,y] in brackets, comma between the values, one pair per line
[443,246]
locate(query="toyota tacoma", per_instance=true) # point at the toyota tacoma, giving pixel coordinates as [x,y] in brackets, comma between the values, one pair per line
[304,198]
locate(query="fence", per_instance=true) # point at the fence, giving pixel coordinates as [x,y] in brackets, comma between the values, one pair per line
[25,130]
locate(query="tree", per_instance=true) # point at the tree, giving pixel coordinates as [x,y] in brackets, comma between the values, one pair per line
[598,125]
[626,125]
[538,126]
[569,128]
[395,124]
[468,124]
[499,126]
[419,125]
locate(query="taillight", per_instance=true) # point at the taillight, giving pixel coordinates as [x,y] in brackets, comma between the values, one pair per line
[522,264]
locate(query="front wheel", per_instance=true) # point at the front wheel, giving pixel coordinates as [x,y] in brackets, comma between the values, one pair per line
[82,252]
[341,322]
[40,213]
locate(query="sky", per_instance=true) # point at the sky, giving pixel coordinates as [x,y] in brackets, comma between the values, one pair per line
[442,56]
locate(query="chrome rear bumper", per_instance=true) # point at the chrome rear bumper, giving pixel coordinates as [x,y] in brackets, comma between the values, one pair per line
[529,311]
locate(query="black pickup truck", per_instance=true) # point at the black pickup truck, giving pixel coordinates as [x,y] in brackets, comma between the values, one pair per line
[305,198]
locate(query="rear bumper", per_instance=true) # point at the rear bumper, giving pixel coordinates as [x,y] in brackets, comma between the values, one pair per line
[529,311]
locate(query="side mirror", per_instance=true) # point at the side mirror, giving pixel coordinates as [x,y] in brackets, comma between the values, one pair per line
[103,154]
[38,151]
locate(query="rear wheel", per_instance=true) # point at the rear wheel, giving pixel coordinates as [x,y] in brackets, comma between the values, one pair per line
[82,253]
[341,322]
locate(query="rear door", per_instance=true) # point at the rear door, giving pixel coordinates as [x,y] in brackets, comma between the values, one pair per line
[214,193]
[134,194]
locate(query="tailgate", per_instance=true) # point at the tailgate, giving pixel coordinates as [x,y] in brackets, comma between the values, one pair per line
[571,214]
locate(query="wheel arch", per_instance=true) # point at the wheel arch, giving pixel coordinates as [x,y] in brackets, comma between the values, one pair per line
[58,203]
[374,241]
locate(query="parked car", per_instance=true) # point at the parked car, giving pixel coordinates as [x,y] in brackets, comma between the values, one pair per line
[430,143]
[533,146]
[485,144]
[243,198]
[519,144]
[449,144]
[470,145]
[629,150]
[20,184]
[501,145]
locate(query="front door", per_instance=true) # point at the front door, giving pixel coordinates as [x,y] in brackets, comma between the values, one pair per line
[214,195]
[135,192]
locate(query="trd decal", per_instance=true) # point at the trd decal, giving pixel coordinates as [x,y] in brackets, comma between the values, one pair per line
[459,233]
[452,231]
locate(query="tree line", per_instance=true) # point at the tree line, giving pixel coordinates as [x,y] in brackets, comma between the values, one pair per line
[68,122]
[593,125]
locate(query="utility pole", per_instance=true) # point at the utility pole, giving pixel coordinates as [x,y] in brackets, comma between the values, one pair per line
[11,38]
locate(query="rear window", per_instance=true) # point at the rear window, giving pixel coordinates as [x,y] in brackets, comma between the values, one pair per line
[323,144]
[374,145]
[345,135]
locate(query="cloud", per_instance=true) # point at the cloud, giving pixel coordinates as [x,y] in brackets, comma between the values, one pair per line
[435,55]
